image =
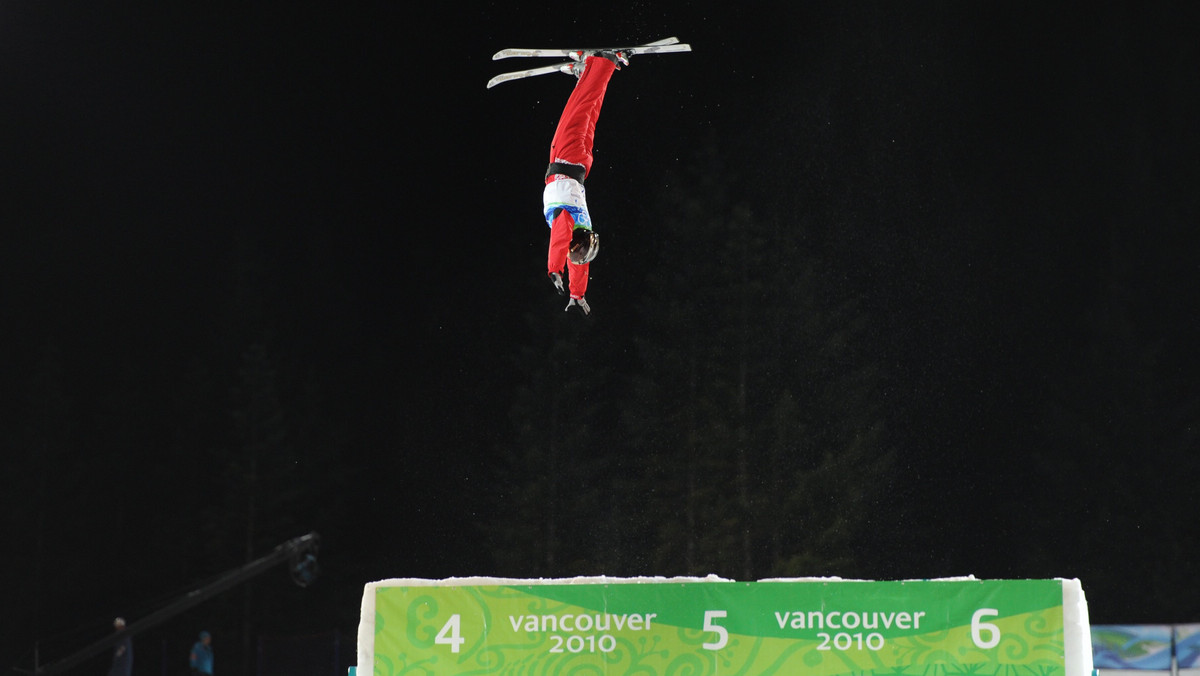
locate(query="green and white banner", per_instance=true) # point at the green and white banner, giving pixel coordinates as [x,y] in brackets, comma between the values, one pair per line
[699,626]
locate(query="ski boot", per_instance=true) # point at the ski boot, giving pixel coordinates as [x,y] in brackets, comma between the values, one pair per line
[580,56]
[618,57]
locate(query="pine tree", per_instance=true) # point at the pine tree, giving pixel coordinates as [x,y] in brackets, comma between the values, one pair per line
[755,407]
[552,478]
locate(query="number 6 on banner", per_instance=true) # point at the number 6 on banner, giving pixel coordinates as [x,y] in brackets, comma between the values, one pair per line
[977,629]
[721,632]
[450,634]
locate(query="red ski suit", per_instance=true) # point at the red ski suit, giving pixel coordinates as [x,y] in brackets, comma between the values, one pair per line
[572,144]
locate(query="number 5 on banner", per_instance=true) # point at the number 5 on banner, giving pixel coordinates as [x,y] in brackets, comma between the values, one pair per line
[721,632]
[451,633]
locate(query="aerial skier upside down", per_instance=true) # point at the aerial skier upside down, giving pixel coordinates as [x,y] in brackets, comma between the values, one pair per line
[573,242]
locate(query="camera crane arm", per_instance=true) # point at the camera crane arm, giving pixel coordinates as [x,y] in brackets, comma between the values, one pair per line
[300,553]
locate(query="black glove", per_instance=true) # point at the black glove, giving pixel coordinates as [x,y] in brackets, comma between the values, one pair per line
[557,280]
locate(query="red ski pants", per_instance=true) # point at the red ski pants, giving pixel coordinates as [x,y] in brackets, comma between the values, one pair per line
[577,125]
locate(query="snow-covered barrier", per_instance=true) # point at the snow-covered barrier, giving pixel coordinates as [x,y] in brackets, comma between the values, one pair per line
[815,627]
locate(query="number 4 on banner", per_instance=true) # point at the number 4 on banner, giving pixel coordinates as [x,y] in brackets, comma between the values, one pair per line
[451,633]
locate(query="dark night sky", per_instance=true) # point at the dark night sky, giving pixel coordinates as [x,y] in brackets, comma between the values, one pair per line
[1033,164]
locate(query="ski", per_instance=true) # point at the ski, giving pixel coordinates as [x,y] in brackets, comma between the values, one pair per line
[667,45]
[531,72]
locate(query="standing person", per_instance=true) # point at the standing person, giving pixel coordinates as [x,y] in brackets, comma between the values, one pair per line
[563,202]
[122,661]
[201,659]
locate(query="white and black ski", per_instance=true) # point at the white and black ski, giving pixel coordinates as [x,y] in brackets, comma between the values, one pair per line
[518,74]
[666,46]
